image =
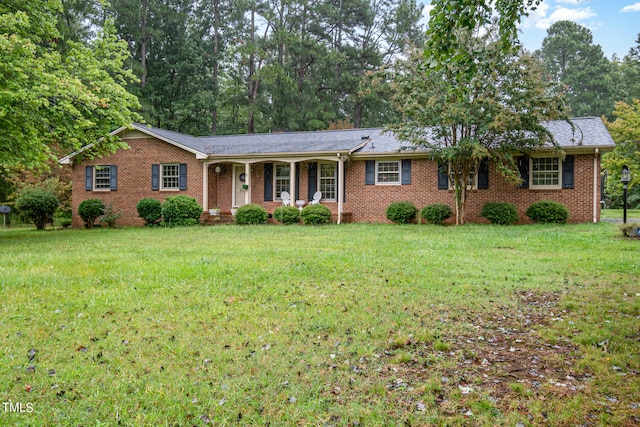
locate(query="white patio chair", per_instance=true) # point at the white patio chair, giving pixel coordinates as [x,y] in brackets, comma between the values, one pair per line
[316,198]
[286,198]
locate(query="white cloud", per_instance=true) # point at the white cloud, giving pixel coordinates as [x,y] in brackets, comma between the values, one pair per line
[565,14]
[569,1]
[535,15]
[631,8]
[426,10]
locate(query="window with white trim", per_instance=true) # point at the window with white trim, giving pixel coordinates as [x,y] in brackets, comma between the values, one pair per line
[545,172]
[281,179]
[388,172]
[472,180]
[327,180]
[102,177]
[170,177]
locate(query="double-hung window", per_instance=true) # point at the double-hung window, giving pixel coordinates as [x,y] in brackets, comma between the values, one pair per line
[388,172]
[282,179]
[472,180]
[327,180]
[545,172]
[170,177]
[102,177]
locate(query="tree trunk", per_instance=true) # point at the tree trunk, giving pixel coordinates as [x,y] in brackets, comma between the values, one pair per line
[216,50]
[143,41]
[252,84]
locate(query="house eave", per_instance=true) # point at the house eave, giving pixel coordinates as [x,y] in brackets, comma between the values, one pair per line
[282,156]
[199,154]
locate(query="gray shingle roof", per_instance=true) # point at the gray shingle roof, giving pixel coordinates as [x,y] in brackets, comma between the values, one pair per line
[589,132]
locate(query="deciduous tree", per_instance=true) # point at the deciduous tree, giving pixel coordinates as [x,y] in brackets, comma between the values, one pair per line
[464,118]
[52,101]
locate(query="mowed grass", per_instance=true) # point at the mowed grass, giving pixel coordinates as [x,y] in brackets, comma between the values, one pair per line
[632,214]
[351,325]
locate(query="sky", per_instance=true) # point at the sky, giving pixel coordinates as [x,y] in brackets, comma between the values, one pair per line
[615,24]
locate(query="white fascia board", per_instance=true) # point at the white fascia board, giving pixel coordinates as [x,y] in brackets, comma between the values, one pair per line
[199,155]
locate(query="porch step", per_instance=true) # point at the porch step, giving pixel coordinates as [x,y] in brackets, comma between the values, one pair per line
[223,218]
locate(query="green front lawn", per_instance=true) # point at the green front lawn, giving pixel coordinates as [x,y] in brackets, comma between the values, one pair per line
[345,325]
[618,214]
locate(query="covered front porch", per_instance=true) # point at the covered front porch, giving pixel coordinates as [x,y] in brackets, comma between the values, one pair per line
[233,182]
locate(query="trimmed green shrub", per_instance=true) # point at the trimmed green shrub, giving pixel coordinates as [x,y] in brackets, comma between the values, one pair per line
[548,212]
[90,210]
[251,214]
[401,212]
[287,215]
[109,217]
[315,215]
[436,213]
[37,205]
[150,210]
[501,213]
[178,211]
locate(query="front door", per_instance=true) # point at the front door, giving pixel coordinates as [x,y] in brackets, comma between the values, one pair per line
[238,181]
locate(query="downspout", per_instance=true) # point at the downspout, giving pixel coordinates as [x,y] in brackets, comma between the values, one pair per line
[596,202]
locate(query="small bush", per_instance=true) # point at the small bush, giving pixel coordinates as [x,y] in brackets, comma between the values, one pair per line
[401,212]
[109,217]
[287,215]
[500,213]
[150,210]
[90,210]
[251,214]
[37,205]
[436,213]
[548,212]
[315,215]
[62,219]
[180,211]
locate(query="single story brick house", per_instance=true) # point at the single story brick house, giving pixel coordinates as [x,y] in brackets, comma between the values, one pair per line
[358,171]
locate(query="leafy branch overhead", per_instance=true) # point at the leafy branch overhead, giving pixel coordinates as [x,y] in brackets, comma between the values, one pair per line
[53,99]
[444,43]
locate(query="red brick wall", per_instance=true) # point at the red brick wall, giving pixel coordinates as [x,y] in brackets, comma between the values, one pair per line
[366,203]
[134,178]
[369,202]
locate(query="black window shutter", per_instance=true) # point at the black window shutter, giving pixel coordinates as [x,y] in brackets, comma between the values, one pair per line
[312,179]
[88,178]
[182,182]
[297,189]
[113,178]
[523,166]
[567,172]
[483,175]
[406,171]
[443,178]
[155,177]
[268,182]
[370,172]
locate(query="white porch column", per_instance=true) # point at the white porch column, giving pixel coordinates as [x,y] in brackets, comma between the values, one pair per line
[247,180]
[292,182]
[205,187]
[340,187]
